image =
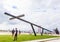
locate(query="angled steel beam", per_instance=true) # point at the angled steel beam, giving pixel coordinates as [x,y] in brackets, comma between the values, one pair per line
[33,29]
[17,16]
[26,21]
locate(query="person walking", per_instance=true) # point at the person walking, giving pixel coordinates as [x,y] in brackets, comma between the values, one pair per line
[16,34]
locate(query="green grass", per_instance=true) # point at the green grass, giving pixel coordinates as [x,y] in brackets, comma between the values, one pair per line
[9,38]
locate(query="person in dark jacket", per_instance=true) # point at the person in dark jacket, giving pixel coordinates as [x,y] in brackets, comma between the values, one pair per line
[13,31]
[57,31]
[16,34]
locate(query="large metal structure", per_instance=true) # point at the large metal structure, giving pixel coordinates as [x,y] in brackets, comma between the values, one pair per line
[32,24]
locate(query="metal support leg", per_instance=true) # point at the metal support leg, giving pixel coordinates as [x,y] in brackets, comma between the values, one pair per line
[42,32]
[33,29]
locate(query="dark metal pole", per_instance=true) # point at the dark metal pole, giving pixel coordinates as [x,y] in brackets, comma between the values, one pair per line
[42,32]
[33,29]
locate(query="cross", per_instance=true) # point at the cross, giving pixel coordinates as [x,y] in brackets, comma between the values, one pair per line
[32,24]
[17,16]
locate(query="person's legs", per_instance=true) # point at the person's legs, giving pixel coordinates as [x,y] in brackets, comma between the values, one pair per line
[15,37]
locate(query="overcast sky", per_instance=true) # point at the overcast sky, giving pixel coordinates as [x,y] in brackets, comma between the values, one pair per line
[45,13]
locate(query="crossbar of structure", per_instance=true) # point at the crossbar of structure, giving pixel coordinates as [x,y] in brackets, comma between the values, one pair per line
[32,24]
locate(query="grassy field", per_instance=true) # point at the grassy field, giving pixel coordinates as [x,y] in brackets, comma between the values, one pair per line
[9,38]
